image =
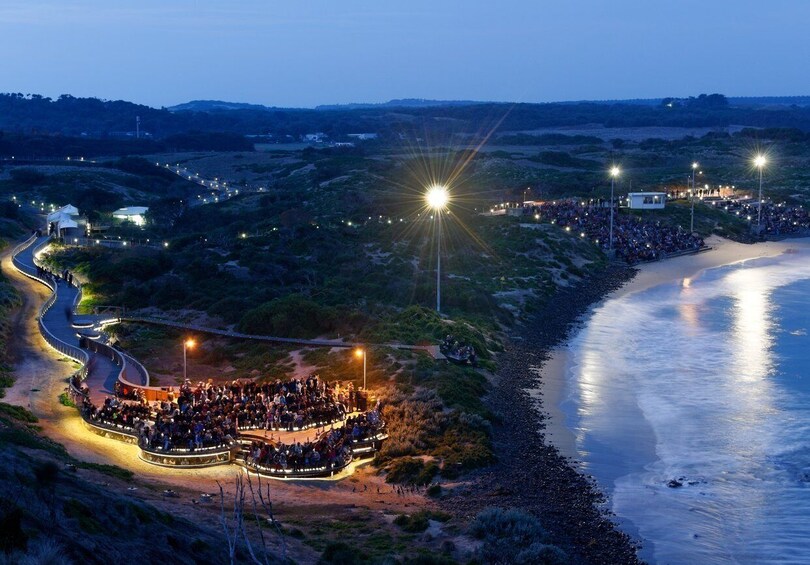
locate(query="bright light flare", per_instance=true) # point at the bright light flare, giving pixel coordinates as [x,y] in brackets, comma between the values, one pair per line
[437,197]
[759,161]
[189,343]
[614,171]
[359,352]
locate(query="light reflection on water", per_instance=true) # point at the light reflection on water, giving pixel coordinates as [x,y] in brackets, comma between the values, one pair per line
[686,381]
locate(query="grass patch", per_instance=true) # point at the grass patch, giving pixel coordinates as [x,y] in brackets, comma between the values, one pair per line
[109,470]
[64,400]
[17,412]
[420,521]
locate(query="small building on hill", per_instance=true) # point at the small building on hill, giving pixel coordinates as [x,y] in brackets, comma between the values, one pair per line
[66,222]
[134,214]
[646,200]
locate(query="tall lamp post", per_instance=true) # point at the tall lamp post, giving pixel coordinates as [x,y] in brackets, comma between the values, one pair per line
[187,344]
[361,352]
[437,198]
[614,172]
[759,162]
[692,194]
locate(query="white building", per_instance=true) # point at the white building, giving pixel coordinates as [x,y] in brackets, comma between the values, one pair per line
[134,214]
[646,200]
[66,222]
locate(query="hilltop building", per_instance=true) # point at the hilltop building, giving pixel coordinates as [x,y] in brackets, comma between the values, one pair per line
[646,200]
[134,214]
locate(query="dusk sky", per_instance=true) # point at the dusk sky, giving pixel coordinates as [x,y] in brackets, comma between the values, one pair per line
[305,53]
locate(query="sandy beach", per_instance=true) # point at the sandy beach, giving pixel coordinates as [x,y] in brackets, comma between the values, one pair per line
[553,372]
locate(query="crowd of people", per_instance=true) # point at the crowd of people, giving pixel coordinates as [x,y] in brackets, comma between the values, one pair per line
[208,415]
[777,219]
[451,347]
[634,239]
[65,275]
[331,450]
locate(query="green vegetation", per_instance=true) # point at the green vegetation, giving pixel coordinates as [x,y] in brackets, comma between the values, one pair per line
[17,413]
[411,470]
[513,536]
[109,470]
[419,521]
[338,244]
[9,299]
[65,400]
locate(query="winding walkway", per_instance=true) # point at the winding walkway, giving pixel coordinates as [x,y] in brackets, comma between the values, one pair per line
[56,322]
[102,367]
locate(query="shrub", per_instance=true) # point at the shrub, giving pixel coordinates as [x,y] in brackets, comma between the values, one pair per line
[64,400]
[434,490]
[338,553]
[411,470]
[420,521]
[290,316]
[513,536]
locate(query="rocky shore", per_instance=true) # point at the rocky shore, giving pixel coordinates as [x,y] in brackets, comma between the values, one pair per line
[531,474]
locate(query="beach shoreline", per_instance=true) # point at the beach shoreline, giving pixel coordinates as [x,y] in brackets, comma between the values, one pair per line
[537,468]
[554,372]
[552,387]
[531,474]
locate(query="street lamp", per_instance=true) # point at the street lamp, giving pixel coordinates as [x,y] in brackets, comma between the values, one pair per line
[614,172]
[692,194]
[759,162]
[437,198]
[361,352]
[187,344]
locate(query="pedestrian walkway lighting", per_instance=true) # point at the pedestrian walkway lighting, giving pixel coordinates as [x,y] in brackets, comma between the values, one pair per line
[187,344]
[361,352]
[614,172]
[759,163]
[695,165]
[437,198]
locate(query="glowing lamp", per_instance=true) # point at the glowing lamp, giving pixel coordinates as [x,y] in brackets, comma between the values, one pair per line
[437,197]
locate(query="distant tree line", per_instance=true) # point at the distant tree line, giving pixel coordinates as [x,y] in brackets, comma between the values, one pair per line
[36,125]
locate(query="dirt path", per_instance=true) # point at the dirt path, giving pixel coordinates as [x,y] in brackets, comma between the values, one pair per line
[40,372]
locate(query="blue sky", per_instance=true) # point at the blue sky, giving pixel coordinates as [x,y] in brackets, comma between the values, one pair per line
[303,53]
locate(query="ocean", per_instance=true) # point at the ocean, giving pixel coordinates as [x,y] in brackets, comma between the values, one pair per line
[702,384]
